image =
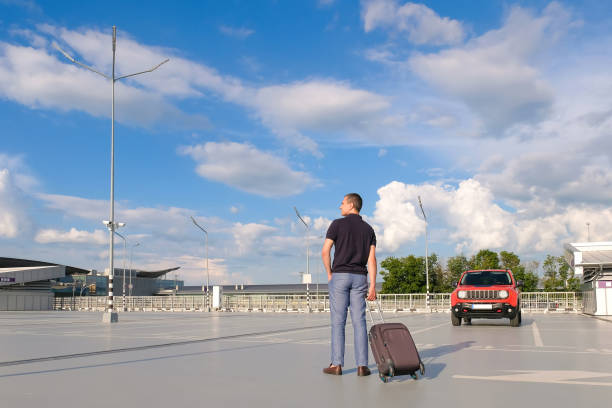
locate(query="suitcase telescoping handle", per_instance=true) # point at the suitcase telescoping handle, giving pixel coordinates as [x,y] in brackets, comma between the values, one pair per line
[379,310]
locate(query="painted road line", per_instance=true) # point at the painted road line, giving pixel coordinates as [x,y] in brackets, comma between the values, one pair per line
[546,376]
[428,328]
[536,335]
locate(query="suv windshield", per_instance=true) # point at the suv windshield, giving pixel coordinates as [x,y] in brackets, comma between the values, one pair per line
[486,278]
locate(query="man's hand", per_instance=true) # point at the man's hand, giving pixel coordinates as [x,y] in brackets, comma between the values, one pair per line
[329,276]
[371,293]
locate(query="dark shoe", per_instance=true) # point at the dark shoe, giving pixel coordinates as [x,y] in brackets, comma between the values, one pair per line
[362,371]
[333,370]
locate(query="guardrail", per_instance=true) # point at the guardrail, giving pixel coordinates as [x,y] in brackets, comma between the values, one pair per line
[410,302]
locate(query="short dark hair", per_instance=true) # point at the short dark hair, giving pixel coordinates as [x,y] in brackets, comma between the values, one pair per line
[355,199]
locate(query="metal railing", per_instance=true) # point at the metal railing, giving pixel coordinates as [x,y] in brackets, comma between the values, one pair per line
[410,302]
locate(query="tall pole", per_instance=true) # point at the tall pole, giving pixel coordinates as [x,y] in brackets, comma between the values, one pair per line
[124,253]
[426,256]
[110,316]
[207,271]
[112,186]
[588,224]
[307,258]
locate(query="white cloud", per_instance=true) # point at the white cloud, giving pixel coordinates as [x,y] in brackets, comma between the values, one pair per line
[75,236]
[13,218]
[422,24]
[193,269]
[298,113]
[395,216]
[497,74]
[248,169]
[316,106]
[237,32]
[35,78]
[248,237]
[321,224]
[471,219]
[234,209]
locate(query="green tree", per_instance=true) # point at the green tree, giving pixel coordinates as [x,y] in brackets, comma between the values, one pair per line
[529,276]
[558,275]
[455,266]
[510,260]
[407,274]
[485,259]
[555,273]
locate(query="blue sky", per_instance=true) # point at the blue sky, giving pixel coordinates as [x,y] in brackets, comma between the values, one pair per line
[497,113]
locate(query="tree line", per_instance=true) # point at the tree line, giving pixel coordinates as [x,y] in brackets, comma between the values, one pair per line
[407,274]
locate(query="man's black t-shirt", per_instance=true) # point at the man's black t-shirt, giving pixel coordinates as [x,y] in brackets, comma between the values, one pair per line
[352,238]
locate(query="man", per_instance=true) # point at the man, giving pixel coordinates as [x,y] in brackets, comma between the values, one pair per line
[355,244]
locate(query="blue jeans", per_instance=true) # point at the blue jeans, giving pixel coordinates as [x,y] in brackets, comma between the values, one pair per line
[348,289]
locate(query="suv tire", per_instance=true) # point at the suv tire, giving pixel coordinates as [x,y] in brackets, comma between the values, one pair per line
[456,321]
[516,320]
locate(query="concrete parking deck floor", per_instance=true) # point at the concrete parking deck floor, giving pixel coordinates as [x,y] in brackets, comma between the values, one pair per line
[275,360]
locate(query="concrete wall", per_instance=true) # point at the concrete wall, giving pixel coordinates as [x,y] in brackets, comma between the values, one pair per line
[25,300]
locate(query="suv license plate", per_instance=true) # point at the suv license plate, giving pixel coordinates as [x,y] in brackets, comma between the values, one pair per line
[482,307]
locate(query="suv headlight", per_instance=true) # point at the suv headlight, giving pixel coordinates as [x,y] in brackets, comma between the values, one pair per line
[462,294]
[503,294]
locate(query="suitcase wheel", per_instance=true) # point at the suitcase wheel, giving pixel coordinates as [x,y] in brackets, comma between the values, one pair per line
[383,378]
[422,368]
[391,368]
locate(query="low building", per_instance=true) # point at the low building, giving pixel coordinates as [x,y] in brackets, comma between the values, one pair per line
[32,285]
[592,263]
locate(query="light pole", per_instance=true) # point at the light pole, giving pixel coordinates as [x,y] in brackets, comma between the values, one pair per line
[307,258]
[426,256]
[207,271]
[588,224]
[110,316]
[131,254]
[124,253]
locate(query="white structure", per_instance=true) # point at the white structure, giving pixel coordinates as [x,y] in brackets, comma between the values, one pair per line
[592,263]
[217,301]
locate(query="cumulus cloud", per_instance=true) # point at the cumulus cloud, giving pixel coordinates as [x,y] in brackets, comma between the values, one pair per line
[316,106]
[395,216]
[248,236]
[472,219]
[246,168]
[419,22]
[74,236]
[497,74]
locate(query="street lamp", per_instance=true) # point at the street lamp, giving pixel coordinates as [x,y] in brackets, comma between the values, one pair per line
[110,316]
[307,258]
[426,255]
[124,253]
[207,271]
[131,254]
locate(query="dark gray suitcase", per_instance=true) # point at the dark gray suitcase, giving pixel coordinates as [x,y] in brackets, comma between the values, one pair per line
[393,349]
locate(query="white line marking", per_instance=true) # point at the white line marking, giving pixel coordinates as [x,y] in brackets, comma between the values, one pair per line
[536,335]
[428,328]
[545,376]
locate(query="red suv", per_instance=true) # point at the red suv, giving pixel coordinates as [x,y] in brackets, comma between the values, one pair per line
[488,294]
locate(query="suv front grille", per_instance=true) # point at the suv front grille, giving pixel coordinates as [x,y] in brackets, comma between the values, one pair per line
[482,294]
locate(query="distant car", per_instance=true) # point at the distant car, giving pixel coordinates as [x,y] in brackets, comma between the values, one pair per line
[487,294]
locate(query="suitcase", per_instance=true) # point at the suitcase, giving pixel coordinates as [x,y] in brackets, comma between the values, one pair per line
[393,349]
